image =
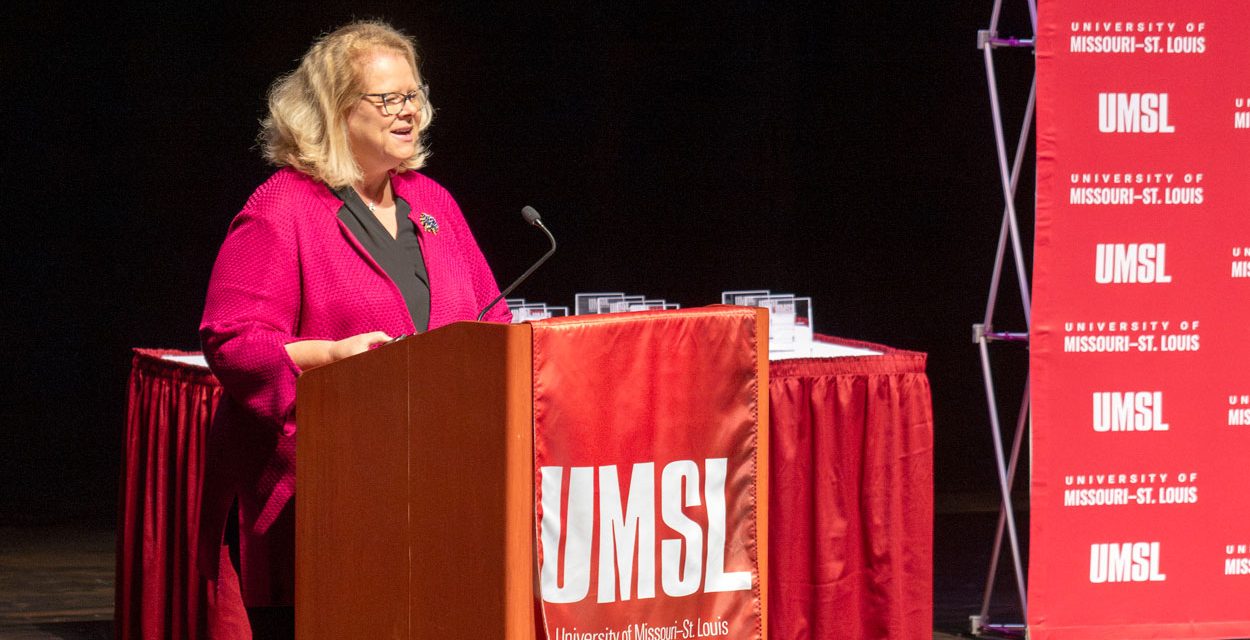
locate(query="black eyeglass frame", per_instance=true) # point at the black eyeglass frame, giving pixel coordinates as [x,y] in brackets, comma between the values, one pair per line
[396,100]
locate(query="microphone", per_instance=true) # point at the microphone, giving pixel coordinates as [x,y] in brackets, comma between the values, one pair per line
[531,216]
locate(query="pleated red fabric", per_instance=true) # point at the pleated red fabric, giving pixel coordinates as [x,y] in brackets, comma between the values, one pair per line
[851,513]
[851,497]
[159,592]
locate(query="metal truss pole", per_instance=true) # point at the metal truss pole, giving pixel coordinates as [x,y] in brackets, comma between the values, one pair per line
[984,333]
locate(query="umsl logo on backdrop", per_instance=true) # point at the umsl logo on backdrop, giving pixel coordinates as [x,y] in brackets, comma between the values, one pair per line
[1239,412]
[1105,37]
[1128,411]
[1241,119]
[1238,561]
[1125,562]
[626,530]
[1241,267]
[1133,263]
[1134,113]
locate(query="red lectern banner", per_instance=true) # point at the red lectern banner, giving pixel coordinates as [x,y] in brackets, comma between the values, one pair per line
[1141,395]
[645,437]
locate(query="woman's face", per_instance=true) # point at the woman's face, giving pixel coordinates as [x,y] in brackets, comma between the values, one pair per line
[380,142]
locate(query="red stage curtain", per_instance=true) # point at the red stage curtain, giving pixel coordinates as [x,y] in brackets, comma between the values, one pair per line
[159,591]
[851,497]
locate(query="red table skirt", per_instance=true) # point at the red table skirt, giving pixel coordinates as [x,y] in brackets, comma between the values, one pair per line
[850,515]
[851,497]
[159,592]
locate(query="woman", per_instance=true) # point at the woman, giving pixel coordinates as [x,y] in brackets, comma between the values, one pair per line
[343,248]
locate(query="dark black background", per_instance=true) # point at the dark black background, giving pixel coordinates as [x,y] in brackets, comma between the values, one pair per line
[677,150]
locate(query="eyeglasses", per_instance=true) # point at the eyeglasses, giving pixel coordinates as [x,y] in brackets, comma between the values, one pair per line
[392,103]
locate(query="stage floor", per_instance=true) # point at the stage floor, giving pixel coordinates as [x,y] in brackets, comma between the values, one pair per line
[56,582]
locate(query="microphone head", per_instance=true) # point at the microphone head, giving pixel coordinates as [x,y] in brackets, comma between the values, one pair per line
[531,215]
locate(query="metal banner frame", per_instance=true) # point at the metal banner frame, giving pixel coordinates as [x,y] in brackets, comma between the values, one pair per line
[984,333]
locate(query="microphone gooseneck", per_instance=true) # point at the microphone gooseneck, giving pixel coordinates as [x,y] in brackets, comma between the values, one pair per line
[531,216]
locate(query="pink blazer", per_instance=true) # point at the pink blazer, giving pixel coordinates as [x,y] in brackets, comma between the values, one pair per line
[289,270]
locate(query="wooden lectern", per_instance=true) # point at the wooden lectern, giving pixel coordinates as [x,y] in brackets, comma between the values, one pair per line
[415,494]
[415,513]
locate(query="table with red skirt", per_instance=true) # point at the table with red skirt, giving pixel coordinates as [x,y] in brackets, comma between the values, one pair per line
[850,500]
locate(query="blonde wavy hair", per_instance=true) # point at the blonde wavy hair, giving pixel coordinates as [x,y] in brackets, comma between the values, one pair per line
[306,126]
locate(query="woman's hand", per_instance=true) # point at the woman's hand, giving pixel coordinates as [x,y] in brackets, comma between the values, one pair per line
[307,354]
[356,344]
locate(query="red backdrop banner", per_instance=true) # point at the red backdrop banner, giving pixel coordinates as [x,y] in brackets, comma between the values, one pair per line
[645,460]
[1139,338]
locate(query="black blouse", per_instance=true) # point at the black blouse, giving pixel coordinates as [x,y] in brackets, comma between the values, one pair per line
[399,257]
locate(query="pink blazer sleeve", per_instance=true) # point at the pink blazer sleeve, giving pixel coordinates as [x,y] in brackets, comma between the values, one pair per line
[250,315]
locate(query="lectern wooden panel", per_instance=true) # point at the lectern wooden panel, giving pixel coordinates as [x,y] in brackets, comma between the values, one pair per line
[415,506]
[414,514]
